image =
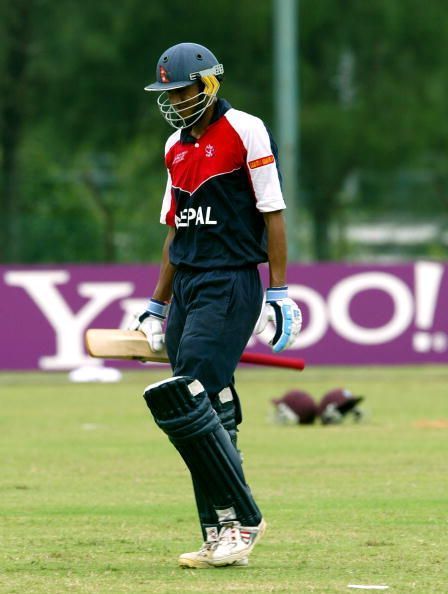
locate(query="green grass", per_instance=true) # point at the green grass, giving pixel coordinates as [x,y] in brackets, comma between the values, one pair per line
[94,499]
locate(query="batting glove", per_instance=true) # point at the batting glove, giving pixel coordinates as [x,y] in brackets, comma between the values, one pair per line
[285,314]
[150,322]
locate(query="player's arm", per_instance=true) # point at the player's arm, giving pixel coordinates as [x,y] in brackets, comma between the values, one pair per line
[277,249]
[164,287]
[265,178]
[279,308]
[264,174]
[150,321]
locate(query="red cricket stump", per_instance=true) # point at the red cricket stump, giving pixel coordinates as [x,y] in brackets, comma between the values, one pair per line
[273,361]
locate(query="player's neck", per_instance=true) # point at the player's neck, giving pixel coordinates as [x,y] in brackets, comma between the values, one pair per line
[199,128]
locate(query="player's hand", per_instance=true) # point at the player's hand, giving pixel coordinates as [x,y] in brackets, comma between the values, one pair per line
[285,314]
[150,322]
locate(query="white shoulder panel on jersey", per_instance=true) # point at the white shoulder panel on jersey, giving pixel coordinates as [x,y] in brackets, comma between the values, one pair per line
[260,161]
[175,136]
[167,197]
[167,200]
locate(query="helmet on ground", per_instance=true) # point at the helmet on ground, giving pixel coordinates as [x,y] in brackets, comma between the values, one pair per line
[181,66]
[295,408]
[336,404]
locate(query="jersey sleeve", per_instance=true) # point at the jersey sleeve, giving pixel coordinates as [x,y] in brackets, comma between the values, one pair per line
[168,204]
[261,160]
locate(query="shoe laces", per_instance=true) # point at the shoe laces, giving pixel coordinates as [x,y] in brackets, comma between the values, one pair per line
[230,532]
[208,545]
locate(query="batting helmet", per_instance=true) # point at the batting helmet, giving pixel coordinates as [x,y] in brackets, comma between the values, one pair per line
[336,404]
[181,66]
[295,407]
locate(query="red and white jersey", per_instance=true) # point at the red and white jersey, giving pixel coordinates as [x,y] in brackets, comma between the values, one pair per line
[218,189]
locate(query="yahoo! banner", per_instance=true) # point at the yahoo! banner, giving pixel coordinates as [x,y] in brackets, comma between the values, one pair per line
[353,314]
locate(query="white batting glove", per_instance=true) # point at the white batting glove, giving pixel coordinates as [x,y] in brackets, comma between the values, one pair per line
[150,322]
[285,314]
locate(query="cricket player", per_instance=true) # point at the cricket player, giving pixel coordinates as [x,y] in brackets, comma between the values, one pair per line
[223,208]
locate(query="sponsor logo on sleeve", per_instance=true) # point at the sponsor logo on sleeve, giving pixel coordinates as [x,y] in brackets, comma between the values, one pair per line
[261,162]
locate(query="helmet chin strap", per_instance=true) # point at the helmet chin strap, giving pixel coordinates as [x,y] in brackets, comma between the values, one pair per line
[172,113]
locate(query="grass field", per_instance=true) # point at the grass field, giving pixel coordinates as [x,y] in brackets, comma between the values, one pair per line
[94,499]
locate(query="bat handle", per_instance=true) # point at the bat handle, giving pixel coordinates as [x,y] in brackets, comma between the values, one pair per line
[273,361]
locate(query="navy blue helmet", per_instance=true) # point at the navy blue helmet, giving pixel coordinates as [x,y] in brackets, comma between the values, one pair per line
[181,66]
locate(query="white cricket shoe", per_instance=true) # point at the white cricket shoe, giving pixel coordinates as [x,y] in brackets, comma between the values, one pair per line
[235,542]
[201,559]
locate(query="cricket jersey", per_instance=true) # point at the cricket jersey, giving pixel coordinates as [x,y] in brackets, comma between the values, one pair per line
[218,188]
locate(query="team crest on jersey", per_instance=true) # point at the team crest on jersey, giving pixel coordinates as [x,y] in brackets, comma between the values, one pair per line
[209,150]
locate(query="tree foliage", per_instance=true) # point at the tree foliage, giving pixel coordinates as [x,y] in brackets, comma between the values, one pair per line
[81,144]
[374,88]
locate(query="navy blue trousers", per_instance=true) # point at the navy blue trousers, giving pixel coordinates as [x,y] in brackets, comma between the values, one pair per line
[212,316]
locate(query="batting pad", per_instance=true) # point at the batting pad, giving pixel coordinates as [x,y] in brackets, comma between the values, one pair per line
[181,408]
[224,405]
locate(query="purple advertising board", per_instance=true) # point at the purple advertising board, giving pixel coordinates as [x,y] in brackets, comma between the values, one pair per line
[353,314]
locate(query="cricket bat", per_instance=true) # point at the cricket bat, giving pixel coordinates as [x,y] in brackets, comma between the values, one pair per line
[121,344]
[132,344]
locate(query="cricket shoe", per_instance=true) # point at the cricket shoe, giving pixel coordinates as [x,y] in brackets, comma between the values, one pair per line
[201,559]
[235,543]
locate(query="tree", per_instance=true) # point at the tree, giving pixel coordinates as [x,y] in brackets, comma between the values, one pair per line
[16,32]
[373,109]
[380,109]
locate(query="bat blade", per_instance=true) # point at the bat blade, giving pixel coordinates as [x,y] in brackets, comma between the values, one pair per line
[121,344]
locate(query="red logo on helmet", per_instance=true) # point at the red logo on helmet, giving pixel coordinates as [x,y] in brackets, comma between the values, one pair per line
[164,75]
